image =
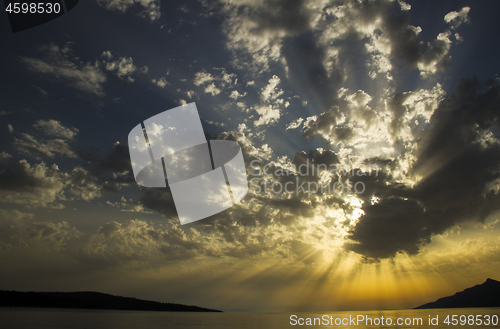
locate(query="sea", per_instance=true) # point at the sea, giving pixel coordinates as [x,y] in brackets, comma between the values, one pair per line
[39,318]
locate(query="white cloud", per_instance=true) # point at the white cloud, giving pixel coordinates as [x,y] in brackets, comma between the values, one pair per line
[268,115]
[41,185]
[58,63]
[161,82]
[84,185]
[55,128]
[124,67]
[255,29]
[212,89]
[89,77]
[271,105]
[150,8]
[294,124]
[129,206]
[202,77]
[4,156]
[404,5]
[190,93]
[37,185]
[47,148]
[455,19]
[107,55]
[214,83]
[257,32]
[235,94]
[270,92]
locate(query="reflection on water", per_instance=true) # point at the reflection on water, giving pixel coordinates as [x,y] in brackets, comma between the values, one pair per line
[31,318]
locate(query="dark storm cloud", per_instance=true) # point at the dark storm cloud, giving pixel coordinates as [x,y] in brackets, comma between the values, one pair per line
[117,159]
[159,200]
[55,128]
[21,177]
[459,160]
[390,226]
[37,185]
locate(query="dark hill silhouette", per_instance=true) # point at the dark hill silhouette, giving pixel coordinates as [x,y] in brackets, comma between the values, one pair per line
[481,295]
[89,300]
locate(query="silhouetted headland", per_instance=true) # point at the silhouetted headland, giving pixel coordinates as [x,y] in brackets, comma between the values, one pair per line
[481,295]
[89,300]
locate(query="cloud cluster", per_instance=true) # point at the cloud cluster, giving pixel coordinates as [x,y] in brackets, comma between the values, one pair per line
[42,145]
[60,64]
[40,185]
[214,83]
[55,128]
[328,43]
[19,231]
[334,43]
[255,29]
[4,156]
[37,185]
[136,240]
[149,8]
[455,19]
[271,103]
[161,82]
[438,155]
[455,174]
[123,67]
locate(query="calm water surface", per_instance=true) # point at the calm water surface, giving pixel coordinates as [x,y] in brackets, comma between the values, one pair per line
[34,318]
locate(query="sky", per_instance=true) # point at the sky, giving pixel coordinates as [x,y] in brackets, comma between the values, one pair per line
[386,111]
